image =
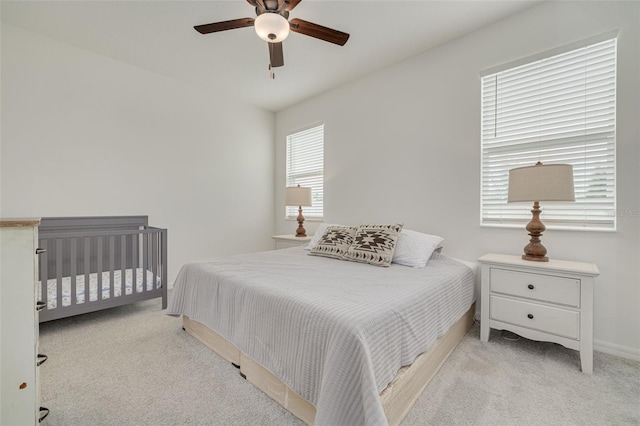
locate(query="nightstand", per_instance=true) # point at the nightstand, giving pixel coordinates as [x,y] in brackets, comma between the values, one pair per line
[546,301]
[286,241]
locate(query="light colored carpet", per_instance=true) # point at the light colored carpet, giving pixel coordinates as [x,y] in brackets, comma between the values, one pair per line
[134,365]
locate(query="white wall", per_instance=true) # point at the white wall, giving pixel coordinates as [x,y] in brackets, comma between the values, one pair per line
[83,134]
[403,145]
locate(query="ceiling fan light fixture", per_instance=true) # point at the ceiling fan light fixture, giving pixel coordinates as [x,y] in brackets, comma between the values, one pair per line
[271,27]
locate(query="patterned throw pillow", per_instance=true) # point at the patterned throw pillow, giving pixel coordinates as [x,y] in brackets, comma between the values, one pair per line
[335,242]
[319,233]
[374,244]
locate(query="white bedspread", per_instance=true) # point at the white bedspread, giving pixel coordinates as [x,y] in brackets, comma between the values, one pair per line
[335,332]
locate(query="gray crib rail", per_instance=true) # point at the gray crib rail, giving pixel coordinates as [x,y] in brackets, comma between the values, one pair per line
[79,247]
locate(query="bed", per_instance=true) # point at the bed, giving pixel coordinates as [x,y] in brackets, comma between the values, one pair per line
[98,262]
[334,342]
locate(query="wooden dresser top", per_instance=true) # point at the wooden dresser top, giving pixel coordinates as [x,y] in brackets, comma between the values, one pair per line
[19,221]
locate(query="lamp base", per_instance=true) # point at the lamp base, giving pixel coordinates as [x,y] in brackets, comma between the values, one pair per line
[535,251]
[300,232]
[535,258]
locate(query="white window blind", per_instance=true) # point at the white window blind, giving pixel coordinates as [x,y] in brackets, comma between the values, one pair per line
[305,165]
[560,109]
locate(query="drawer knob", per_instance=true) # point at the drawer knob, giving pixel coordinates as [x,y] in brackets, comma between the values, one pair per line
[530,287]
[530,316]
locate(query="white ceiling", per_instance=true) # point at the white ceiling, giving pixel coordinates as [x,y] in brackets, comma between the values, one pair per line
[159,36]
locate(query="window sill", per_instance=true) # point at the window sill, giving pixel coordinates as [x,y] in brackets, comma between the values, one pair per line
[548,227]
[306,219]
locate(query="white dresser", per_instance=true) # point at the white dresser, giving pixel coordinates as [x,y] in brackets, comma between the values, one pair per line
[19,391]
[546,301]
[286,241]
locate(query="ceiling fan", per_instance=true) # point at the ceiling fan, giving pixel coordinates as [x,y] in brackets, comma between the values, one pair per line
[273,26]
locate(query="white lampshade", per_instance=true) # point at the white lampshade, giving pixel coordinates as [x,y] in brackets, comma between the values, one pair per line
[297,196]
[271,27]
[552,182]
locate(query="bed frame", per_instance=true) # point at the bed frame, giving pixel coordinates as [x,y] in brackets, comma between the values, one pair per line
[77,246]
[397,398]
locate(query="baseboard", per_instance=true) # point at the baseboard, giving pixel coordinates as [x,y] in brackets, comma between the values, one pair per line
[617,350]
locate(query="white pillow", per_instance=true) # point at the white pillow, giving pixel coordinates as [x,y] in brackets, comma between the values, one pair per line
[415,248]
[322,228]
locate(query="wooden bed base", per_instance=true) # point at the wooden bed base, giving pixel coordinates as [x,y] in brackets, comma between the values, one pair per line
[397,398]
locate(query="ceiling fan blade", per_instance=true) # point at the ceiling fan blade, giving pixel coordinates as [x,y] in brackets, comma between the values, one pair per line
[291,4]
[276,55]
[224,25]
[318,31]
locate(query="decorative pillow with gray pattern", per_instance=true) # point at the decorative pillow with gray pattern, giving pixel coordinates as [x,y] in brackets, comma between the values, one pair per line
[335,242]
[374,244]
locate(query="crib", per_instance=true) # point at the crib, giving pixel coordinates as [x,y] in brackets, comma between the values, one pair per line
[98,262]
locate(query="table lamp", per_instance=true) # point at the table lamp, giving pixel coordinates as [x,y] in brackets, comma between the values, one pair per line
[298,196]
[552,182]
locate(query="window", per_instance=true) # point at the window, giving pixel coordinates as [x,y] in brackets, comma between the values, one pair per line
[558,109]
[305,164]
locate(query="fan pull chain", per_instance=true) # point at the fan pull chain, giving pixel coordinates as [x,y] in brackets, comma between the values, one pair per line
[272,74]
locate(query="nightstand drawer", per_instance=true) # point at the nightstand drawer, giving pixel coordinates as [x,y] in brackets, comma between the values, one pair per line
[546,288]
[548,319]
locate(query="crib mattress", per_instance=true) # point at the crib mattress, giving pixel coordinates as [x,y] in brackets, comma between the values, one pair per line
[52,286]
